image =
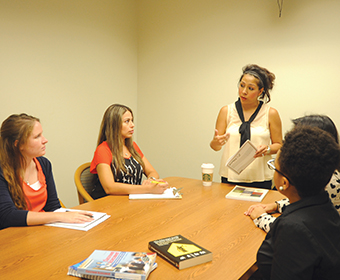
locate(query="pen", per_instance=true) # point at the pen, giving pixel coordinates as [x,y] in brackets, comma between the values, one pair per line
[156,182]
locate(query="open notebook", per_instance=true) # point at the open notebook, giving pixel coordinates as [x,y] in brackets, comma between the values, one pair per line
[169,193]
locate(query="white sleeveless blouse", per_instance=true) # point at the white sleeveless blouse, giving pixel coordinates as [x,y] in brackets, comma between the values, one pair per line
[257,171]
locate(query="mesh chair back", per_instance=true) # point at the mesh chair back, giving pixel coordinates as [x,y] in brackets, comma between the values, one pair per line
[85,182]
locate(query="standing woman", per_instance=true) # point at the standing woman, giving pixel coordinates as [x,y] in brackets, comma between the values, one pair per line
[118,161]
[27,190]
[250,117]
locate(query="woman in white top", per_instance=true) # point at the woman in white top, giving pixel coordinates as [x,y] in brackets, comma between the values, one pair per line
[251,118]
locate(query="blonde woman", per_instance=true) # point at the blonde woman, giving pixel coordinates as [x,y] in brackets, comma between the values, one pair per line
[27,191]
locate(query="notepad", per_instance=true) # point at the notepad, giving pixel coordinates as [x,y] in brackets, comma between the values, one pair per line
[98,217]
[168,194]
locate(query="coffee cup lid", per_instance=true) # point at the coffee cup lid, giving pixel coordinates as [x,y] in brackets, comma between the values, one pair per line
[207,165]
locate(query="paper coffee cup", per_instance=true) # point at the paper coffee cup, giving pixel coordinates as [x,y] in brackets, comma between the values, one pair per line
[207,174]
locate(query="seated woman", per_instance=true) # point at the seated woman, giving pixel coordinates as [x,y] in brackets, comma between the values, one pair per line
[264,220]
[27,190]
[304,241]
[118,161]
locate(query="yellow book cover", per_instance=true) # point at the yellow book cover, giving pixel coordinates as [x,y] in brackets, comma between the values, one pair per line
[180,251]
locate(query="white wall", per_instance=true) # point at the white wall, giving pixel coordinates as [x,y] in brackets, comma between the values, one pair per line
[190,58]
[65,62]
[174,62]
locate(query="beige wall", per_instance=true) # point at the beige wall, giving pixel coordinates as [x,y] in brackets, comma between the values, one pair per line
[174,62]
[66,62]
[190,58]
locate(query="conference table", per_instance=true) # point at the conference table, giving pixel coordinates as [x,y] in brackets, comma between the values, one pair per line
[203,215]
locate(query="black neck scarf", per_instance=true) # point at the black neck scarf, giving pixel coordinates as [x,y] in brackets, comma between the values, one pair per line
[244,129]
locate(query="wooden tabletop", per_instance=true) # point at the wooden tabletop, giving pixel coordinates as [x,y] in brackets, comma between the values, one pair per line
[203,215]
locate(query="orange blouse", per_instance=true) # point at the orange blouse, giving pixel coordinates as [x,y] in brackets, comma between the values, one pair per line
[36,199]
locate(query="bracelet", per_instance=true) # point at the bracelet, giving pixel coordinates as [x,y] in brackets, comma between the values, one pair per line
[152,178]
[268,150]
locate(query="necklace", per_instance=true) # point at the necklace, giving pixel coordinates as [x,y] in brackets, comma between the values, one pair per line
[125,153]
[29,173]
[27,182]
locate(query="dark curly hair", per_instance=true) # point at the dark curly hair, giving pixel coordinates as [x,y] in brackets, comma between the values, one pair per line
[265,78]
[321,121]
[308,158]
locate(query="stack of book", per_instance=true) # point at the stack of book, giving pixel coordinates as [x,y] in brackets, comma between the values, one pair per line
[108,265]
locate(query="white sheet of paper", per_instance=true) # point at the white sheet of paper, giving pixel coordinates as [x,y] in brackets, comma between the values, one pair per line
[243,157]
[168,194]
[98,217]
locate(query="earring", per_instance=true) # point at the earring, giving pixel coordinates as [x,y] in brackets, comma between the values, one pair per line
[281,188]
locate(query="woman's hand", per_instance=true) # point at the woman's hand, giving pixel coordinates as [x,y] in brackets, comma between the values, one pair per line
[257,212]
[219,140]
[261,151]
[157,186]
[70,216]
[77,217]
[268,208]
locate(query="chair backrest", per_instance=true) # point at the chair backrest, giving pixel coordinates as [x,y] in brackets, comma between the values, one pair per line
[62,204]
[84,180]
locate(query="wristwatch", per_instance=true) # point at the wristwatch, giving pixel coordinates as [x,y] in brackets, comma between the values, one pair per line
[268,150]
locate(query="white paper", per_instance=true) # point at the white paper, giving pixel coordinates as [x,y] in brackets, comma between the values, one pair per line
[98,217]
[168,194]
[244,156]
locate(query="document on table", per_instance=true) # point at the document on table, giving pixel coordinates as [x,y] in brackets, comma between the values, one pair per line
[246,193]
[244,156]
[98,217]
[169,193]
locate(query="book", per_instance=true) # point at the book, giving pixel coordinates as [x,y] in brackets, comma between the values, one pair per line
[180,251]
[98,217]
[116,265]
[246,193]
[170,193]
[242,158]
[73,271]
